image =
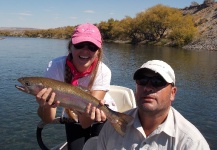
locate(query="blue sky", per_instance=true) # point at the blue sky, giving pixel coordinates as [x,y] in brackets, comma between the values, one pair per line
[46,14]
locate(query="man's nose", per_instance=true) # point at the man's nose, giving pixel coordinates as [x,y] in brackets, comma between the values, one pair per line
[148,87]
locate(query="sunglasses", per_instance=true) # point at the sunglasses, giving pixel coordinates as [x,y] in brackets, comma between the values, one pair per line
[92,47]
[155,81]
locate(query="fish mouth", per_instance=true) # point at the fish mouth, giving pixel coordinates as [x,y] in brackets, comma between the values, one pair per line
[22,88]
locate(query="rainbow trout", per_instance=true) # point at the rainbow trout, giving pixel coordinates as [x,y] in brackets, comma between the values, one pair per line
[73,97]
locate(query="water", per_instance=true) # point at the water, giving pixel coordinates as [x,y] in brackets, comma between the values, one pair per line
[196,76]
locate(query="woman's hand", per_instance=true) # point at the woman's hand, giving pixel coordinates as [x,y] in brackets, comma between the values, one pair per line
[91,114]
[47,107]
[94,113]
[45,98]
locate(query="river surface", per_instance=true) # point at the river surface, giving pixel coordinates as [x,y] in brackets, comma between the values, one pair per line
[196,79]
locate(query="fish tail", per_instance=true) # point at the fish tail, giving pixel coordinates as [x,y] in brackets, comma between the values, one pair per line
[120,122]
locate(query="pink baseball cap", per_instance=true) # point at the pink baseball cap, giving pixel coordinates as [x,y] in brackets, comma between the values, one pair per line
[87,33]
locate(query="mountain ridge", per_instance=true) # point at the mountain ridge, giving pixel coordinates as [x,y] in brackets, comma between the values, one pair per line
[205,19]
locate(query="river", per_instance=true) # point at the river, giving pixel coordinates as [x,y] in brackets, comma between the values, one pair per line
[196,80]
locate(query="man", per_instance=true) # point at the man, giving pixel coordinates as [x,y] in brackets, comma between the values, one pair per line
[156,125]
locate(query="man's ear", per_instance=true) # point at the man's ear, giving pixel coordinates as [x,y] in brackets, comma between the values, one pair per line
[173,93]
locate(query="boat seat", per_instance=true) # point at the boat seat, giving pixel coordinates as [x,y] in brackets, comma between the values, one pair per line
[123,97]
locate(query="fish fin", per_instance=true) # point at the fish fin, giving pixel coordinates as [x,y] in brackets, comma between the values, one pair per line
[120,122]
[72,114]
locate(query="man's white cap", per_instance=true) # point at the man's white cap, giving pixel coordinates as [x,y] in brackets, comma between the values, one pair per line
[157,66]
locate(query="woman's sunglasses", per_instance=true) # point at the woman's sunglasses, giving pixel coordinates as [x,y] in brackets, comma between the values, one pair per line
[91,46]
[155,81]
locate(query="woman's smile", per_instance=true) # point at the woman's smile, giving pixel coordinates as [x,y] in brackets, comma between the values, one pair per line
[83,57]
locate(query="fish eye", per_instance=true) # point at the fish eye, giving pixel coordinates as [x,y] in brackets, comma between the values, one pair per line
[27,83]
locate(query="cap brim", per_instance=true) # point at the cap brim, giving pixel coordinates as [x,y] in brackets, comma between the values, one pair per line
[76,40]
[139,73]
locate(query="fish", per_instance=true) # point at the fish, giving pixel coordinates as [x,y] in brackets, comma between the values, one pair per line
[73,97]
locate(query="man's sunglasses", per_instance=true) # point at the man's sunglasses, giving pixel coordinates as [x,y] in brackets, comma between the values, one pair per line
[155,81]
[91,46]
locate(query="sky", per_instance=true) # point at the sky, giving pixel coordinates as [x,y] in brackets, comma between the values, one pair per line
[45,14]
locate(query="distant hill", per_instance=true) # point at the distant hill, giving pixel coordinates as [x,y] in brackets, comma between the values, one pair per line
[205,18]
[16,29]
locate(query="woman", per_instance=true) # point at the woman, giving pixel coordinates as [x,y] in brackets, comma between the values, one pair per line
[83,67]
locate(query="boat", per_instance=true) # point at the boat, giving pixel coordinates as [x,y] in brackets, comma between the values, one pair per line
[124,99]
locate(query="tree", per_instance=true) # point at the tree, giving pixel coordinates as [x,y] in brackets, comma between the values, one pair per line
[122,29]
[160,22]
[155,21]
[104,29]
[183,31]
[68,32]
